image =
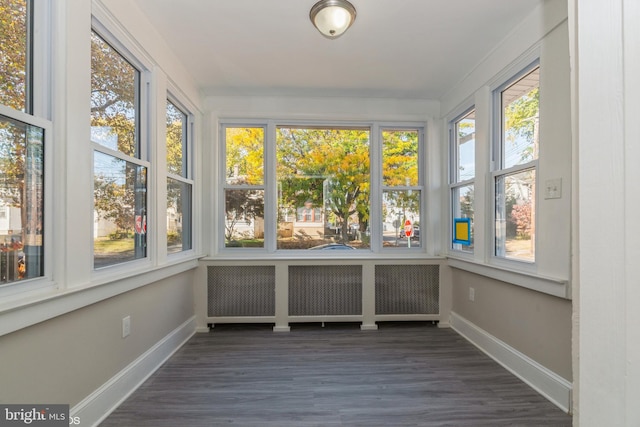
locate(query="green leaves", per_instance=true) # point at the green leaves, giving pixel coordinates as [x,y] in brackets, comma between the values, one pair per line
[13,53]
[328,166]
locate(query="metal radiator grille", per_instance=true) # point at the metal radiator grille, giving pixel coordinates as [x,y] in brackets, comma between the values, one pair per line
[241,291]
[407,289]
[325,290]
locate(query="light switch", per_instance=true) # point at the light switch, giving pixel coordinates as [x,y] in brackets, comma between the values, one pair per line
[553,188]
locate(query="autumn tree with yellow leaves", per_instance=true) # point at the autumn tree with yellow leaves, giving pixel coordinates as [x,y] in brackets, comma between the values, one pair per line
[330,167]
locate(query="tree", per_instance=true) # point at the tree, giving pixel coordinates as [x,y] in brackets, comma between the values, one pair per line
[241,205]
[521,217]
[245,155]
[296,186]
[244,168]
[176,132]
[21,145]
[466,128]
[119,186]
[113,97]
[400,158]
[117,191]
[178,192]
[107,189]
[522,123]
[13,55]
[400,169]
[466,203]
[12,163]
[337,158]
[13,94]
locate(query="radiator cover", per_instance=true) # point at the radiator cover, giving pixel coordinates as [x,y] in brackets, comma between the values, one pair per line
[241,291]
[325,290]
[407,289]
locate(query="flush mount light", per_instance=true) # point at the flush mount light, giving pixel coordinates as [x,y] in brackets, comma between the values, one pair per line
[332,17]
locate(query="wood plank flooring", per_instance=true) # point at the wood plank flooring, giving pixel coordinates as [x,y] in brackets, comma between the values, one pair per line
[403,374]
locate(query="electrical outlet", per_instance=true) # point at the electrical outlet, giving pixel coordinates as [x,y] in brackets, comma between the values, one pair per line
[126,326]
[472,294]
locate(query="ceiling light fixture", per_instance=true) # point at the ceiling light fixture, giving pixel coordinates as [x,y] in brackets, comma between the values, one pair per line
[332,17]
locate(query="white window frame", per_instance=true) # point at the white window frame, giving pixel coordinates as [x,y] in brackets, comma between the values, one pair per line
[497,170]
[420,187]
[144,66]
[189,170]
[270,189]
[269,236]
[454,183]
[38,114]
[19,288]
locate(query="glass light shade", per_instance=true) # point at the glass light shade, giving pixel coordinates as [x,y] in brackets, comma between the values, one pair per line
[332,17]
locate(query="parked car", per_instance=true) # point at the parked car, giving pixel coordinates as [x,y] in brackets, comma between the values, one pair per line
[333,247]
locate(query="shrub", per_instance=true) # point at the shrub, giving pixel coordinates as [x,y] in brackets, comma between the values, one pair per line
[119,234]
[521,216]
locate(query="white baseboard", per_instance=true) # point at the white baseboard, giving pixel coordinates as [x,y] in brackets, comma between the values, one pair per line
[549,384]
[98,405]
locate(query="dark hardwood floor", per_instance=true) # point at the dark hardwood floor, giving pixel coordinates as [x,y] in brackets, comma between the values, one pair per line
[403,374]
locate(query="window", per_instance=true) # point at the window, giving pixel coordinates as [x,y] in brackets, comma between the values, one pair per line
[179,184]
[244,186]
[317,187]
[22,200]
[323,187]
[22,151]
[463,171]
[401,190]
[15,58]
[515,156]
[120,174]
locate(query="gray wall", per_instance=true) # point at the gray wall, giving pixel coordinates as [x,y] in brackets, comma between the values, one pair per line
[65,359]
[536,324]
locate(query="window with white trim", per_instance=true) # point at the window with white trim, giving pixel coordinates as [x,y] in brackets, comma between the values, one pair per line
[516,160]
[179,180]
[16,57]
[401,188]
[462,179]
[317,187]
[243,188]
[322,175]
[24,138]
[119,168]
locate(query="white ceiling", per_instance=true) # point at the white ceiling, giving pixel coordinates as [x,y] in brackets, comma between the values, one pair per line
[396,48]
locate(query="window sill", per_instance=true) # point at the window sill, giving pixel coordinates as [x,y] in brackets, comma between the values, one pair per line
[349,256]
[548,285]
[35,308]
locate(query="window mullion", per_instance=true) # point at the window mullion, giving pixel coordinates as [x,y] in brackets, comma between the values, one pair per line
[271,189]
[120,155]
[515,169]
[180,178]
[462,183]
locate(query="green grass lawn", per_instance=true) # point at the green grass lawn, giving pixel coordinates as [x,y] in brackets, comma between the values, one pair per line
[104,245]
[518,248]
[245,243]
